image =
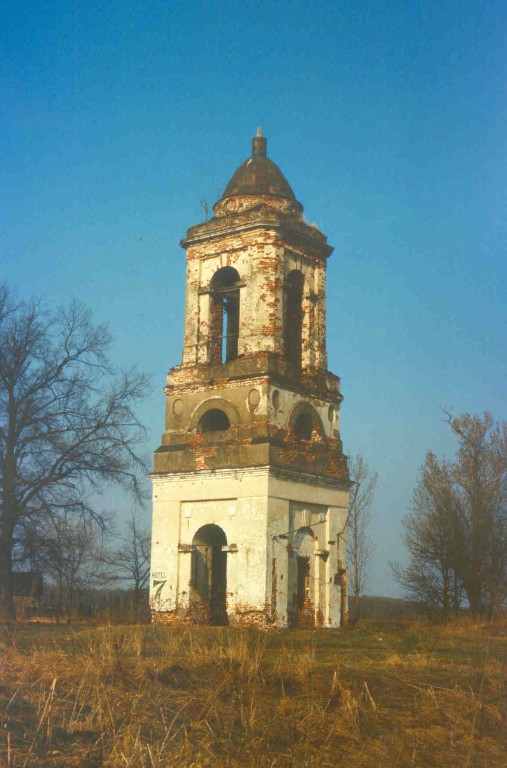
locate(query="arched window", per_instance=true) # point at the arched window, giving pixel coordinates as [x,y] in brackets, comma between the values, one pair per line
[293,318]
[304,421]
[224,319]
[214,420]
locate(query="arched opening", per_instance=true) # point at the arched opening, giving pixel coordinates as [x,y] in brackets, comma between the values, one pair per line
[302,578]
[214,420]
[293,318]
[224,316]
[304,421]
[209,575]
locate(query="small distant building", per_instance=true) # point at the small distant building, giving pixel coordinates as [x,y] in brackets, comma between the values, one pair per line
[28,591]
[250,483]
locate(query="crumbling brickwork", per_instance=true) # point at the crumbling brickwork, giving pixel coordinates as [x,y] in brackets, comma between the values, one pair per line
[252,442]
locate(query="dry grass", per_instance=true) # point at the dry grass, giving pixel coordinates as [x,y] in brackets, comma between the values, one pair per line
[380,695]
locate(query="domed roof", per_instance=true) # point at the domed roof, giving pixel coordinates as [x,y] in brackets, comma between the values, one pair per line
[259,175]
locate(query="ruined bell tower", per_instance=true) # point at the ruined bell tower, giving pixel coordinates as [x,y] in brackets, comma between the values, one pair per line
[250,484]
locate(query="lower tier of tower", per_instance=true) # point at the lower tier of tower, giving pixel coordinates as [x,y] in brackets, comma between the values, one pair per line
[253,546]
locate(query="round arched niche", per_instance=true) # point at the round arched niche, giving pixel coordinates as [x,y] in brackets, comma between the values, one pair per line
[214,420]
[214,404]
[304,421]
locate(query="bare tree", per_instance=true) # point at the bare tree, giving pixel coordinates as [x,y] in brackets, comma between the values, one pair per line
[480,478]
[130,562]
[67,420]
[456,531]
[434,538]
[360,546]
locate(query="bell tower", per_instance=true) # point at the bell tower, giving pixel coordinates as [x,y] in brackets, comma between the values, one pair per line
[250,484]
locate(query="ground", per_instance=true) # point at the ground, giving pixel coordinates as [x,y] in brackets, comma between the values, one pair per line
[375,694]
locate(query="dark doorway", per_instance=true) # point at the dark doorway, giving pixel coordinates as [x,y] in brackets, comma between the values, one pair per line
[209,575]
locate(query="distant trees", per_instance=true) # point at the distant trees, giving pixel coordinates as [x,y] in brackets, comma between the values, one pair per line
[70,549]
[67,422]
[64,548]
[360,545]
[456,530]
[130,562]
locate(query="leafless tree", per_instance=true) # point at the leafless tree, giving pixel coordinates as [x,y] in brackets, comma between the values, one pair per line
[456,531]
[130,561]
[480,478]
[434,538]
[360,547]
[67,420]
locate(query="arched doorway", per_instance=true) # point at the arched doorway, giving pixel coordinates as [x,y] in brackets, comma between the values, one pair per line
[209,575]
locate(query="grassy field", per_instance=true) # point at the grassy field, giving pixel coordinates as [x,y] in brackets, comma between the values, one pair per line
[375,694]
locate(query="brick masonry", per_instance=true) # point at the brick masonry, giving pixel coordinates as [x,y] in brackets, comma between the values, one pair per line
[275,481]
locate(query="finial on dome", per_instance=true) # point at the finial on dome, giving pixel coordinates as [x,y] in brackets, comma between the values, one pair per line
[259,144]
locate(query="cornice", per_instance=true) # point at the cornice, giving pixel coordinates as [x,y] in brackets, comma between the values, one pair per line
[254,471]
[291,230]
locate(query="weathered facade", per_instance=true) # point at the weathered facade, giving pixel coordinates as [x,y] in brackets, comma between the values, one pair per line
[250,484]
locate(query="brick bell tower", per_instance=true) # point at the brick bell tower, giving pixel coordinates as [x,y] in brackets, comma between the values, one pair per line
[250,484]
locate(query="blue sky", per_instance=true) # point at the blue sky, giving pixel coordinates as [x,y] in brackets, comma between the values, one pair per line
[387,118]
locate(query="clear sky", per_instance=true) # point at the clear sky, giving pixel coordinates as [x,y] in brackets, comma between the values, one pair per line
[387,118]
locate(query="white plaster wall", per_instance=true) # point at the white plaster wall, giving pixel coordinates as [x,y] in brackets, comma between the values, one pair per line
[294,505]
[237,503]
[164,551]
[260,512]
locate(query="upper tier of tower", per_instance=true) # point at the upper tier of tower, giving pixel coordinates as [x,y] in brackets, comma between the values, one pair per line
[256,277]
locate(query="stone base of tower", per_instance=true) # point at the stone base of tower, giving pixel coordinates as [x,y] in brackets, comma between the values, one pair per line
[252,546]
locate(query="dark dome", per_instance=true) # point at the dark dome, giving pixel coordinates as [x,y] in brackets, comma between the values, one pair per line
[259,176]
